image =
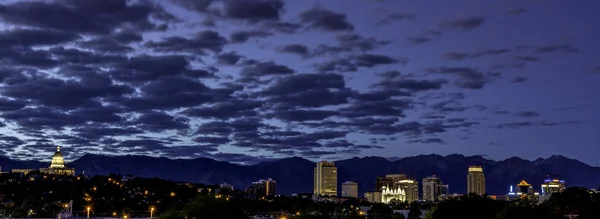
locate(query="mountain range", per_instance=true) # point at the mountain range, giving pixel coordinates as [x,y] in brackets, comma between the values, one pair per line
[295,174]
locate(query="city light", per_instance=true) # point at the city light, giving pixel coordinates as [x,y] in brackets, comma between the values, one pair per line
[88,211]
[151,212]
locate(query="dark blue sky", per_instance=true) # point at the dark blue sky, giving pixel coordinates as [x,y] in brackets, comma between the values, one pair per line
[243,81]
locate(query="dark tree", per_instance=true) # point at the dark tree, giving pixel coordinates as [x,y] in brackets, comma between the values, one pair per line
[415,211]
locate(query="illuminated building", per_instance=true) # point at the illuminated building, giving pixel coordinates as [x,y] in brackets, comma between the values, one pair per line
[325,179]
[552,186]
[262,188]
[476,180]
[523,190]
[396,182]
[432,188]
[57,166]
[388,180]
[411,188]
[350,189]
[373,197]
[23,171]
[389,194]
[226,186]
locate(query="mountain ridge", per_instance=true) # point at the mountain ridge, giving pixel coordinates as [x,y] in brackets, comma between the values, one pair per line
[295,174]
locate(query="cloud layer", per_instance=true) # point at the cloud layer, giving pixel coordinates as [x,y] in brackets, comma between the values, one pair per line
[232,78]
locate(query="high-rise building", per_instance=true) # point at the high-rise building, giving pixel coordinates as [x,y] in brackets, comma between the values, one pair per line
[551,186]
[476,180]
[325,179]
[432,188]
[411,189]
[262,188]
[350,189]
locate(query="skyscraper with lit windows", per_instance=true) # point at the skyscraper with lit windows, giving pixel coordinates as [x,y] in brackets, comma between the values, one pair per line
[476,180]
[325,178]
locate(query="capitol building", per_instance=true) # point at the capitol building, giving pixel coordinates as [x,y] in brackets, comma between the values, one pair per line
[57,166]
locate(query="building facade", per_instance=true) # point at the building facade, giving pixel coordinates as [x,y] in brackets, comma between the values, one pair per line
[551,186]
[262,188]
[350,189]
[396,186]
[523,190]
[476,180]
[432,188]
[373,197]
[325,179]
[411,189]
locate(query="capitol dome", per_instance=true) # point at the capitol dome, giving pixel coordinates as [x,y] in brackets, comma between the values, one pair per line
[58,160]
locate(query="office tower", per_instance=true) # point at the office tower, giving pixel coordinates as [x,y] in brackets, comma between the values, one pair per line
[476,180]
[325,179]
[262,188]
[410,188]
[551,186]
[350,189]
[432,188]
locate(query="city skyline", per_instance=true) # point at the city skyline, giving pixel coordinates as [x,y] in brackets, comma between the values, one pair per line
[250,81]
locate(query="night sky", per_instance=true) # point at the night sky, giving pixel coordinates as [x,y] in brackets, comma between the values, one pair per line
[245,81]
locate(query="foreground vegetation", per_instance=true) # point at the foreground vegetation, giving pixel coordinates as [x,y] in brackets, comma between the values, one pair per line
[38,195]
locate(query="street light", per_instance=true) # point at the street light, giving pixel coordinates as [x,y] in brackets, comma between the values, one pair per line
[88,211]
[125,216]
[151,212]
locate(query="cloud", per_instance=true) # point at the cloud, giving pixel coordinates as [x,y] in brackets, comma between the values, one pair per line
[243,36]
[253,11]
[519,80]
[85,16]
[327,20]
[527,114]
[466,23]
[516,125]
[468,78]
[266,68]
[394,17]
[454,56]
[203,41]
[229,58]
[143,77]
[425,37]
[348,43]
[353,62]
[297,49]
